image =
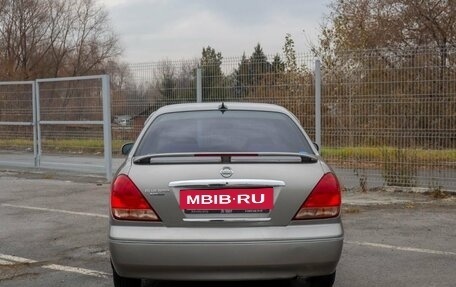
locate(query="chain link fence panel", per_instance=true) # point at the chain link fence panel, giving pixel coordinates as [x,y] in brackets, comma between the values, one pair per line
[388,116]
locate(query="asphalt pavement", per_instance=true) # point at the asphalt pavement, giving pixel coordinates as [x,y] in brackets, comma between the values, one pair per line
[53,232]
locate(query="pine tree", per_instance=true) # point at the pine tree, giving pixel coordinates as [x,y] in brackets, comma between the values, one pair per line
[212,75]
[278,66]
[259,65]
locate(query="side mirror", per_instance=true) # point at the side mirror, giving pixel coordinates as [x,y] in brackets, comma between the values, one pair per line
[317,147]
[126,148]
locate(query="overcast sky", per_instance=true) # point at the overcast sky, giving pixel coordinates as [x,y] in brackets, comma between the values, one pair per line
[152,30]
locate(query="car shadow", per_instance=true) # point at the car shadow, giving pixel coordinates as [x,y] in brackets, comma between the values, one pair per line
[269,283]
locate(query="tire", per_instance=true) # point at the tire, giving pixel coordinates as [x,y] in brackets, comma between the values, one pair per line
[317,281]
[298,282]
[323,281]
[120,281]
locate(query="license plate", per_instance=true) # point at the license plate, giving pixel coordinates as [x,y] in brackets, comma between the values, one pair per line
[227,199]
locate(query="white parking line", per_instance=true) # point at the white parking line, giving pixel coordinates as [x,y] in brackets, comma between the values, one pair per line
[10,259]
[4,262]
[55,210]
[78,270]
[16,259]
[402,248]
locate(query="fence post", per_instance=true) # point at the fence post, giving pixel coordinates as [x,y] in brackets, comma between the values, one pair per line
[318,102]
[107,137]
[199,86]
[38,124]
[35,126]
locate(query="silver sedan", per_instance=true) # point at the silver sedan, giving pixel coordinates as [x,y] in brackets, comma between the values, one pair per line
[224,191]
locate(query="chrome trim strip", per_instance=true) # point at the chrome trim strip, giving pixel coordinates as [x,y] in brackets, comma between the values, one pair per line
[226,219]
[217,183]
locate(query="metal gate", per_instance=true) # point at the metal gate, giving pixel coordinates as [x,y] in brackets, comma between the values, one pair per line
[68,120]
[18,146]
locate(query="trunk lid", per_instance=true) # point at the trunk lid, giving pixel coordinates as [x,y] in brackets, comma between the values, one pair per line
[287,185]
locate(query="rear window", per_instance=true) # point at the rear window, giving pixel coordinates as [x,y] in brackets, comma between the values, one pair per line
[231,131]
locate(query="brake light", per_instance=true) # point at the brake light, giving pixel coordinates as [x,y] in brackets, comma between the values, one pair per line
[128,203]
[324,201]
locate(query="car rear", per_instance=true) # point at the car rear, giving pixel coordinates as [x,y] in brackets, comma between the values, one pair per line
[224,192]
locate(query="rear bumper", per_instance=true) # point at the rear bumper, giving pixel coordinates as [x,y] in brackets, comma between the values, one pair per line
[211,254]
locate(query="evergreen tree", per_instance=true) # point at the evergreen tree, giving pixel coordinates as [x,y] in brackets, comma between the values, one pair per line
[259,65]
[212,75]
[241,77]
[278,66]
[251,71]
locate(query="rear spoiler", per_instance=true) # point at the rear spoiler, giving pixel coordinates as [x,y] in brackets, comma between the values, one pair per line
[226,157]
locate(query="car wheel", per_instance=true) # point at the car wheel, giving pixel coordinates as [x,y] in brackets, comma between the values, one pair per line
[317,281]
[322,281]
[120,281]
[298,282]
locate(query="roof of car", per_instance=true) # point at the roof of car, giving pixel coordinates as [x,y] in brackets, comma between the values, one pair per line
[217,105]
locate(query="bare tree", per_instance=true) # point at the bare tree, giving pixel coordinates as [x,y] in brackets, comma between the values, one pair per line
[42,38]
[395,24]
[93,41]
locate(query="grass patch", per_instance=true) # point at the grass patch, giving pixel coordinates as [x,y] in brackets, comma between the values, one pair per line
[16,144]
[84,146]
[378,154]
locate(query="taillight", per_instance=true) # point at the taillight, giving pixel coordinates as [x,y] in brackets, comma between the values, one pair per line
[128,203]
[324,201]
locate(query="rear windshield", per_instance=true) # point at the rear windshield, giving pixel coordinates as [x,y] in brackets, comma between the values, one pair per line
[231,131]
